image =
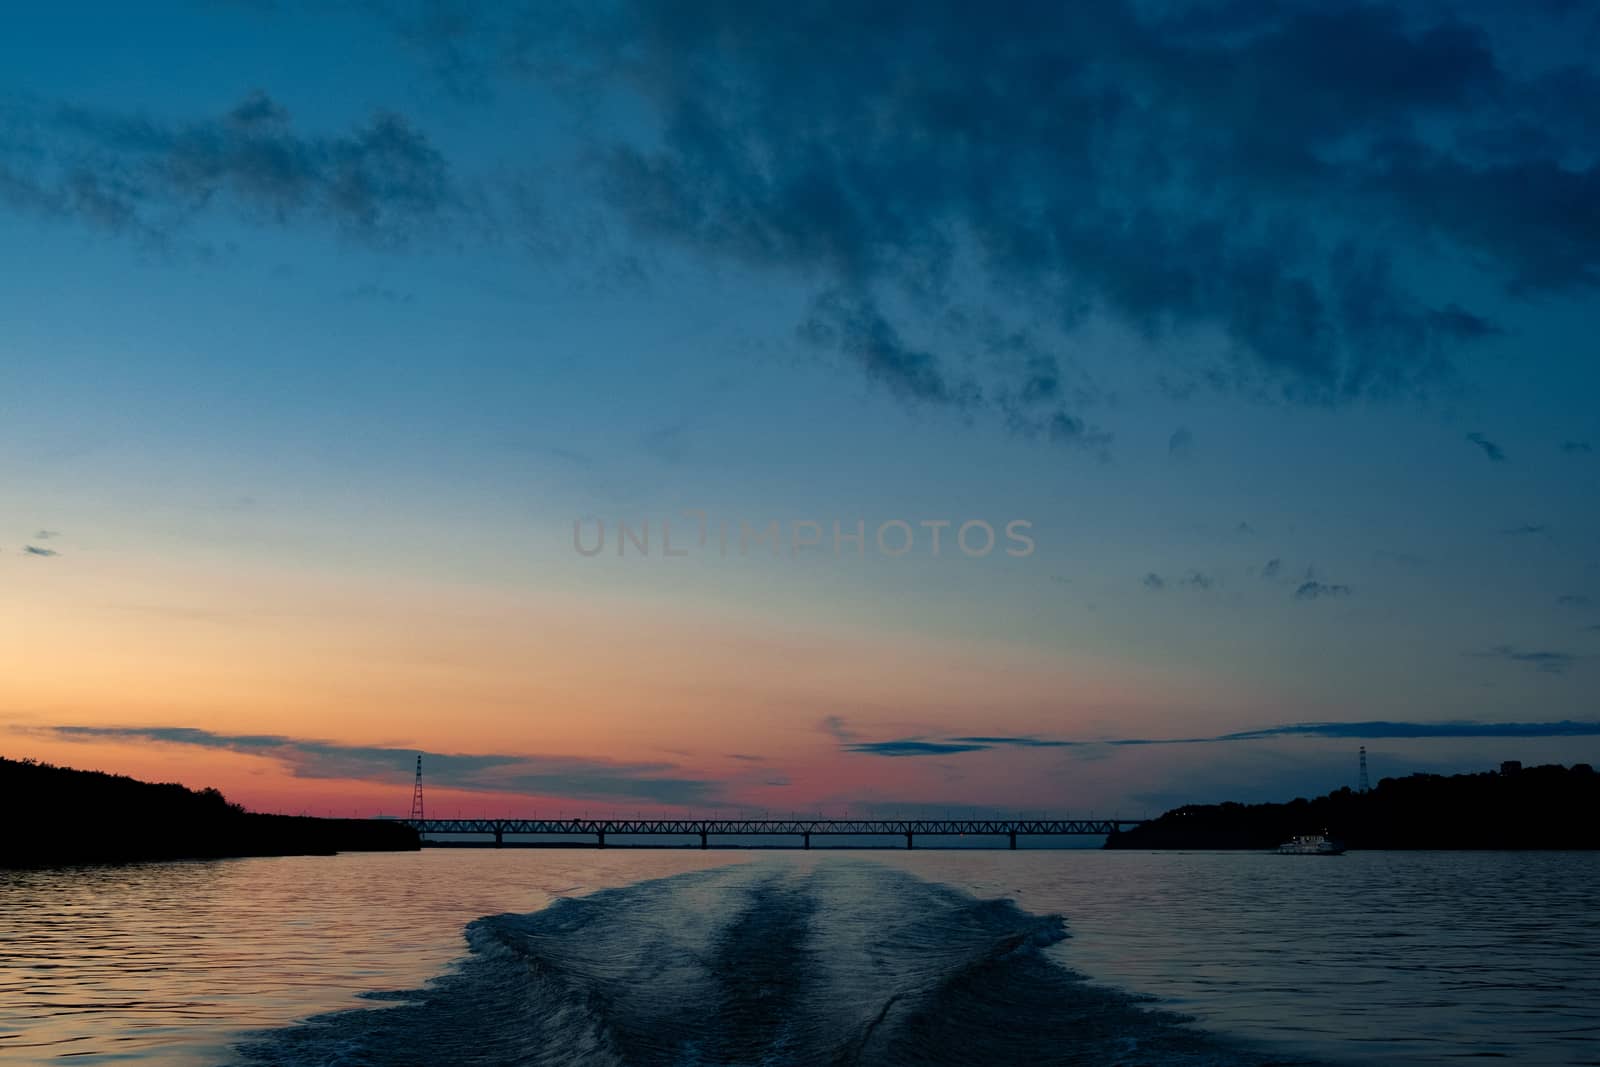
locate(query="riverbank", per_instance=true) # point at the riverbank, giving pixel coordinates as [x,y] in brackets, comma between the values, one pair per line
[65,816]
[1515,808]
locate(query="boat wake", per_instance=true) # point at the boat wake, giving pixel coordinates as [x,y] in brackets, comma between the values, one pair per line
[846,963]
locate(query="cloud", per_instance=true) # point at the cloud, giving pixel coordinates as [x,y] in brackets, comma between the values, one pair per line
[1315,590]
[1196,580]
[1016,742]
[1181,444]
[912,747]
[1573,448]
[1490,449]
[852,323]
[1155,164]
[557,776]
[1369,730]
[1549,662]
[45,535]
[1527,529]
[1272,569]
[35,550]
[381,182]
[836,728]
[1250,180]
[1574,600]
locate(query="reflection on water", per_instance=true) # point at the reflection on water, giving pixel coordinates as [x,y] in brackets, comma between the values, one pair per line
[1372,957]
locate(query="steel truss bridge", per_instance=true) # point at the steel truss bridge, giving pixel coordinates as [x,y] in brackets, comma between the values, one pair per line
[804,829]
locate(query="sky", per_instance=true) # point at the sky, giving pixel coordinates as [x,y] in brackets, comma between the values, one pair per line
[425,376]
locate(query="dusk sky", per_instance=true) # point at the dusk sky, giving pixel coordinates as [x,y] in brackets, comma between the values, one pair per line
[324,323]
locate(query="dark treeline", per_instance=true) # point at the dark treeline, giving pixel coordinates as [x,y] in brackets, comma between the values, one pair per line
[1535,807]
[59,815]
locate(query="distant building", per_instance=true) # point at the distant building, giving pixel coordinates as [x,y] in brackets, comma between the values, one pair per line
[1511,766]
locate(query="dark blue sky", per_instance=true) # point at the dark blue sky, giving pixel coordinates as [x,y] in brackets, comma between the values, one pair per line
[1275,321]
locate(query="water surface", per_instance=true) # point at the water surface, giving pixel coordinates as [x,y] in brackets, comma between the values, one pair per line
[744,957]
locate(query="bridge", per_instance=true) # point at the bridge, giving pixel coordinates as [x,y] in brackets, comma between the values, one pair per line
[804,829]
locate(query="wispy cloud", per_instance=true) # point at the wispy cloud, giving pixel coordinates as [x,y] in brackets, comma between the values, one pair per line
[1196,580]
[1527,529]
[1315,590]
[556,776]
[1573,448]
[125,172]
[1549,662]
[835,727]
[883,173]
[35,550]
[1574,600]
[1490,449]
[912,747]
[1368,730]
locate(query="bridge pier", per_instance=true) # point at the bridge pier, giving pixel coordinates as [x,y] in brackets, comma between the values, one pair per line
[908,840]
[806,838]
[702,839]
[602,834]
[499,836]
[1013,839]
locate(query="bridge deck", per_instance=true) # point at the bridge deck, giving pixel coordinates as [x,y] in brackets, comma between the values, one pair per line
[803,828]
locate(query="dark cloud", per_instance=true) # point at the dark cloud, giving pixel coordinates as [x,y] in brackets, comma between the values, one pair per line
[380,182]
[1246,174]
[853,324]
[1196,580]
[1573,448]
[1549,662]
[1369,730]
[1315,590]
[912,747]
[1273,568]
[1490,449]
[559,776]
[35,550]
[1574,600]
[1015,742]
[1253,177]
[1527,529]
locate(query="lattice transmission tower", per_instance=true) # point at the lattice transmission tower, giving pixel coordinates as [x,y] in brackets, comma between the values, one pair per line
[1365,785]
[416,790]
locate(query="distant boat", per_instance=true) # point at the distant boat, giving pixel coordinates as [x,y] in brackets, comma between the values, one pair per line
[1310,845]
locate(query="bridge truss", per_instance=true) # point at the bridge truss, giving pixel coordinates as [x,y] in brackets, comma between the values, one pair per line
[805,829]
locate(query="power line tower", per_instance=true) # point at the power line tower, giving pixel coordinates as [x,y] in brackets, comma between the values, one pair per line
[1365,786]
[416,790]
